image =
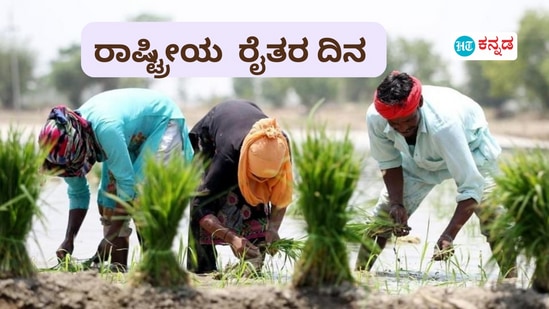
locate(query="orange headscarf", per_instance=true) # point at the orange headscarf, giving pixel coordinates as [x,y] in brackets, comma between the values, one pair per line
[265,168]
[404,108]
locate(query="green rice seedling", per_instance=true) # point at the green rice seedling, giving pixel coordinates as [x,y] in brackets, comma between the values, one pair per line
[244,271]
[163,196]
[328,170]
[424,250]
[289,248]
[523,189]
[71,265]
[482,270]
[20,187]
[458,269]
[281,258]
[240,272]
[369,227]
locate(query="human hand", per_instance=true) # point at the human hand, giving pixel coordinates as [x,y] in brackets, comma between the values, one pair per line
[271,236]
[243,248]
[444,249]
[66,248]
[399,214]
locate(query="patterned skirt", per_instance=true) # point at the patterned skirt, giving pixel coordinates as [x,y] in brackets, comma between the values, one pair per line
[247,221]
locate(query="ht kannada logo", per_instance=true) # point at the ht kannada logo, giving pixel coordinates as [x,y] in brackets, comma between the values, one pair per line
[486,46]
[464,46]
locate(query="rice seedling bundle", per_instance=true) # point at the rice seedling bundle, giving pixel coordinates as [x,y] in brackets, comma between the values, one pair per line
[162,199]
[523,189]
[328,170]
[289,248]
[20,187]
[370,227]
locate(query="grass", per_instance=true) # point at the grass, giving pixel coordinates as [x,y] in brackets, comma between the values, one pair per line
[523,189]
[283,255]
[162,199]
[20,183]
[328,171]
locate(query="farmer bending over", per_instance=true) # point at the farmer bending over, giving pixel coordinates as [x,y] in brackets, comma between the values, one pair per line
[421,136]
[117,128]
[245,188]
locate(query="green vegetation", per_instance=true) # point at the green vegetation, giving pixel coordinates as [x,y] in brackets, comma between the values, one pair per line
[523,189]
[328,171]
[526,78]
[243,272]
[163,197]
[20,183]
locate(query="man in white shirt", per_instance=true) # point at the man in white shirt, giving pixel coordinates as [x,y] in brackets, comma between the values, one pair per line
[421,136]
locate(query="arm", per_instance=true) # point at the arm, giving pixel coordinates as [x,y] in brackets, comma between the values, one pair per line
[79,197]
[275,218]
[394,182]
[389,159]
[205,207]
[444,247]
[275,221]
[463,212]
[240,245]
[455,151]
[78,191]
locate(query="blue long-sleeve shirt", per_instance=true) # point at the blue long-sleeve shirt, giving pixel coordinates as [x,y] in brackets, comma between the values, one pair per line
[126,123]
[453,141]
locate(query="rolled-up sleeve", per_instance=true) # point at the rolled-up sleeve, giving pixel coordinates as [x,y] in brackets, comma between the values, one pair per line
[382,149]
[78,191]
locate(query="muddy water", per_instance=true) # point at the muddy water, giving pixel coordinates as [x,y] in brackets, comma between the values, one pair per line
[403,265]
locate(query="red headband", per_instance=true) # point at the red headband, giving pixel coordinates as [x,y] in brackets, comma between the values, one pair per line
[402,109]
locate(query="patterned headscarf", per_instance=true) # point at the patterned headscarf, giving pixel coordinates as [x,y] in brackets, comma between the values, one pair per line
[74,148]
[264,168]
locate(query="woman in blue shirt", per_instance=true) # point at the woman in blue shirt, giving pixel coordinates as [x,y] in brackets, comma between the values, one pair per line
[421,136]
[118,128]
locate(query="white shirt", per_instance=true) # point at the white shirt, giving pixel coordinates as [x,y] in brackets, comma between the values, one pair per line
[453,141]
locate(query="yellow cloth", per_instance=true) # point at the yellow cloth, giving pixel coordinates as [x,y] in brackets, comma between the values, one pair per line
[265,168]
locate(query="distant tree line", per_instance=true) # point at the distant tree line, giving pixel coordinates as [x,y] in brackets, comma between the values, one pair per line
[491,83]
